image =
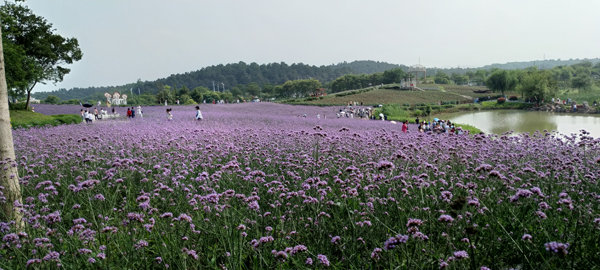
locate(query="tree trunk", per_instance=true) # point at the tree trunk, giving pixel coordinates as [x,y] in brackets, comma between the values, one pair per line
[9,175]
[28,96]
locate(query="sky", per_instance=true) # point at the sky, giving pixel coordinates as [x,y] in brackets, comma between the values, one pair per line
[123,41]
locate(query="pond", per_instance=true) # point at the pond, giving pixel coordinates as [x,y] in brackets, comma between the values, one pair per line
[500,121]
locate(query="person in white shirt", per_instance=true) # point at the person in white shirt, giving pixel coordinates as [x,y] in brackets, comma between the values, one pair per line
[198,114]
[87,116]
[139,111]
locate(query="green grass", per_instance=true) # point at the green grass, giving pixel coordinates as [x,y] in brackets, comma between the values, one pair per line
[26,119]
[386,96]
[471,129]
[493,105]
[580,96]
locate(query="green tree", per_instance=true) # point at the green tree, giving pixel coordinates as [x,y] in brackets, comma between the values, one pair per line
[183,91]
[583,78]
[16,75]
[441,78]
[392,76]
[45,52]
[165,94]
[236,91]
[52,99]
[196,94]
[501,81]
[227,96]
[538,85]
[211,96]
[480,76]
[253,89]
[183,99]
[460,79]
[470,74]
[268,89]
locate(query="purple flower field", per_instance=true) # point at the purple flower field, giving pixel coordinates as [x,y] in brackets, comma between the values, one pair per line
[253,186]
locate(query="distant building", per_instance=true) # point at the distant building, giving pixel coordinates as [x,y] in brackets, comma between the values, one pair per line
[116,99]
[34,100]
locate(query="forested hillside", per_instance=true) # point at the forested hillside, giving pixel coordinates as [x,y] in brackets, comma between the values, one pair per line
[229,76]
[241,74]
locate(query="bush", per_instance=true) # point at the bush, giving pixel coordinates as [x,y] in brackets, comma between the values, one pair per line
[51,99]
[67,118]
[72,102]
[418,113]
[17,106]
[26,119]
[190,102]
[513,98]
[501,100]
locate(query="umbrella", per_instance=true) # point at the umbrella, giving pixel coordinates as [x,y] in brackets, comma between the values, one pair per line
[435,119]
[87,105]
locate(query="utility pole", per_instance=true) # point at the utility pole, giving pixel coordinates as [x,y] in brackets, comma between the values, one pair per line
[223,87]
[213,86]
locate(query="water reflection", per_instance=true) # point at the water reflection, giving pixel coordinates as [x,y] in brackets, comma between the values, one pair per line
[501,121]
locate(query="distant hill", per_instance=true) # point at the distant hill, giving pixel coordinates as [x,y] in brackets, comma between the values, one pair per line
[273,73]
[230,75]
[541,64]
[368,66]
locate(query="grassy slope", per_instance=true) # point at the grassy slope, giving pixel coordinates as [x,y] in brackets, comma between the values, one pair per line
[580,96]
[387,96]
[493,105]
[24,119]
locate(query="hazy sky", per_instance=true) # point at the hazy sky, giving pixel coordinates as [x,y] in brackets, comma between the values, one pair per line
[123,41]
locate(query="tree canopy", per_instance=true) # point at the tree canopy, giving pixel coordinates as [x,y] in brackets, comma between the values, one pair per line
[501,81]
[36,53]
[538,85]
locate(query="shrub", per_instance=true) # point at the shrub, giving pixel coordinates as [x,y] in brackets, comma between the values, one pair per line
[72,102]
[16,106]
[51,99]
[501,100]
[67,118]
[513,98]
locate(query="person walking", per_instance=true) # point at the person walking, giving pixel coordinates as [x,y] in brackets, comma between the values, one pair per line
[169,115]
[405,126]
[114,111]
[132,113]
[198,114]
[139,111]
[96,113]
[128,113]
[82,115]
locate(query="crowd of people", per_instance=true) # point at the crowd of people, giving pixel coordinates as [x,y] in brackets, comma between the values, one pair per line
[89,116]
[350,112]
[438,126]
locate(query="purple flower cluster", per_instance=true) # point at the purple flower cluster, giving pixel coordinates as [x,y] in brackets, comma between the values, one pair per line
[392,242]
[557,248]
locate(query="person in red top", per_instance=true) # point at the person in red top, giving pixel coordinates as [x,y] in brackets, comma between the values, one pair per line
[405,126]
[128,113]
